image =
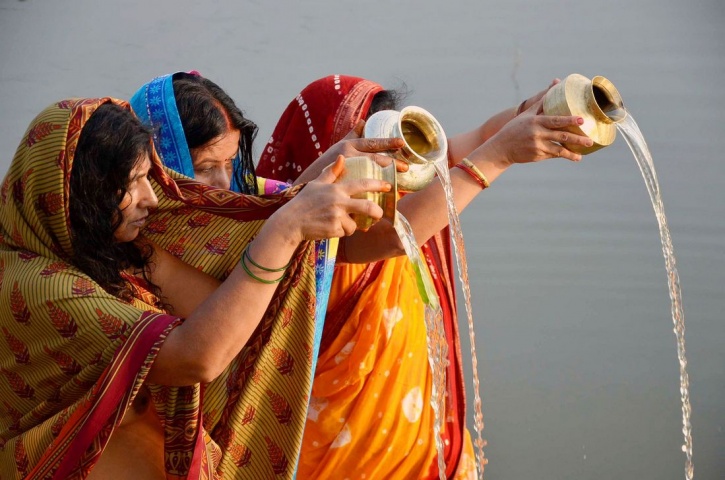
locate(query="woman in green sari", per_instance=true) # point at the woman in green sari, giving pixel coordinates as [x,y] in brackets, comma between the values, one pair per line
[111,337]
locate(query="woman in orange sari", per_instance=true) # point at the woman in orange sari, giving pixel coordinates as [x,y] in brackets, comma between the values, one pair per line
[126,356]
[370,410]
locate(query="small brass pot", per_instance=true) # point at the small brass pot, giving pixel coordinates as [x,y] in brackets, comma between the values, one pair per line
[597,101]
[425,143]
[357,168]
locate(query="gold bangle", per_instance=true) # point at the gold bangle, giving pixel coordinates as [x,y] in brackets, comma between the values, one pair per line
[480,177]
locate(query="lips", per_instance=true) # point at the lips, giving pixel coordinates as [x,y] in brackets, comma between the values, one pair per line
[140,222]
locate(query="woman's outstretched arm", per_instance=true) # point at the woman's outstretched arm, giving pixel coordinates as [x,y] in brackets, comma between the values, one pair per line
[529,137]
[220,317]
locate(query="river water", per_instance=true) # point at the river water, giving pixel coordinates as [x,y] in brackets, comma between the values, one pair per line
[577,359]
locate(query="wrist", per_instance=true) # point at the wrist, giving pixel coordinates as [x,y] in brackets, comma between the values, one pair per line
[474,172]
[490,160]
[281,225]
[491,156]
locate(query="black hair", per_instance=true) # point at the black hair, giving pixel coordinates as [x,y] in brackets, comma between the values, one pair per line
[199,102]
[388,100]
[110,145]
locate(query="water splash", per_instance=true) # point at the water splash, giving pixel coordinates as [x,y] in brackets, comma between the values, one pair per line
[459,250]
[634,138]
[435,334]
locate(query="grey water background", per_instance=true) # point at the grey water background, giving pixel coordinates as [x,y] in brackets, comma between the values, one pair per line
[574,335]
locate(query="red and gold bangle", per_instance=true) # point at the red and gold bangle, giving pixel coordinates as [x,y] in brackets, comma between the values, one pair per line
[474,172]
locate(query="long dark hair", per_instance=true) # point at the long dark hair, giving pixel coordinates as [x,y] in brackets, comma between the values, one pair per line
[199,101]
[109,147]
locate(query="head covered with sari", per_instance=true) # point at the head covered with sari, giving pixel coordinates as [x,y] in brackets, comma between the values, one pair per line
[320,116]
[73,357]
[370,410]
[155,104]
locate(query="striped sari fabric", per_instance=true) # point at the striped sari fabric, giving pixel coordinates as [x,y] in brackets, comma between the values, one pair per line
[73,357]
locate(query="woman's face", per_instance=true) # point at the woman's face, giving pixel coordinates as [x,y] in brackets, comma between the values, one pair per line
[213,162]
[135,205]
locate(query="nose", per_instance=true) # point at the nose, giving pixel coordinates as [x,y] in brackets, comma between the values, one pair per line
[221,179]
[148,197]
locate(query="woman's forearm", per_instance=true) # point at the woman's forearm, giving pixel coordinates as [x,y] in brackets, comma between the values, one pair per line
[219,325]
[425,210]
[462,144]
[220,317]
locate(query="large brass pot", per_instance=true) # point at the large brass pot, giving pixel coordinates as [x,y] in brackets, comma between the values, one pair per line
[597,101]
[357,168]
[425,143]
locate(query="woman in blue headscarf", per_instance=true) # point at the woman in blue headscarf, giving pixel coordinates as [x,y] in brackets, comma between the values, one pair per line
[200,132]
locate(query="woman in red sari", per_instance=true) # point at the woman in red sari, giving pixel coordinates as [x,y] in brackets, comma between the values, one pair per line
[370,410]
[126,356]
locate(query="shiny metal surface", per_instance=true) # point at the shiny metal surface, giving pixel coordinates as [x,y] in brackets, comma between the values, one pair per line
[425,143]
[357,168]
[597,101]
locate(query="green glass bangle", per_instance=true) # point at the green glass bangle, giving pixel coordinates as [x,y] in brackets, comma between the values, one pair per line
[264,269]
[260,280]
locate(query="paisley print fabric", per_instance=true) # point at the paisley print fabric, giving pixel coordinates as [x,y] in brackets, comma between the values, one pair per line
[73,357]
[155,105]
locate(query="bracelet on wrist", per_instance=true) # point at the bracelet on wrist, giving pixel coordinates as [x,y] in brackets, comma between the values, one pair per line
[246,257]
[264,269]
[474,172]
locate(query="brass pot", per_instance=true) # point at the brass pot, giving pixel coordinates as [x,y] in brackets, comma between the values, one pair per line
[597,101]
[425,143]
[357,168]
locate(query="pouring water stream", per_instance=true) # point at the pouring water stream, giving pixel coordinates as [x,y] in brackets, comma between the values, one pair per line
[634,138]
[437,347]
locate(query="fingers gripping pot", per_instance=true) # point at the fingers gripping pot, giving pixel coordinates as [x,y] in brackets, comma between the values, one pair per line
[597,101]
[358,168]
[425,143]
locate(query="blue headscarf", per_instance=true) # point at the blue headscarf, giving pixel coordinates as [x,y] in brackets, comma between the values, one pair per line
[155,105]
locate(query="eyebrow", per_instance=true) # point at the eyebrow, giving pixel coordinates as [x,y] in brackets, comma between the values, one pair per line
[209,160]
[142,174]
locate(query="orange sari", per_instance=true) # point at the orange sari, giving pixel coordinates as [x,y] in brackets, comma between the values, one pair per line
[370,411]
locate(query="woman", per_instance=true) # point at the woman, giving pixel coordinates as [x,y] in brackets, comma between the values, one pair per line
[120,360]
[200,132]
[213,143]
[370,409]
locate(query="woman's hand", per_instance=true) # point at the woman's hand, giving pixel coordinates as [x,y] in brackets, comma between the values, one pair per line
[353,145]
[364,146]
[463,144]
[322,209]
[532,137]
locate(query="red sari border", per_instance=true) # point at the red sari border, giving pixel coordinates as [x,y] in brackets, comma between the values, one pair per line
[107,401]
